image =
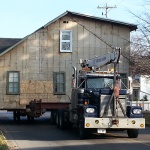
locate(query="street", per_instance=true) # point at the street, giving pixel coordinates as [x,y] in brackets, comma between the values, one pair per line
[41,135]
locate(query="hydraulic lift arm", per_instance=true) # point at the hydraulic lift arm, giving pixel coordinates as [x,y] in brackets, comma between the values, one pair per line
[101,61]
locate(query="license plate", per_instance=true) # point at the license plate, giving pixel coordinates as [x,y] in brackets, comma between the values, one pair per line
[101,130]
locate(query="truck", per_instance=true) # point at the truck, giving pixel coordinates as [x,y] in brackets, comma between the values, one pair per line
[98,102]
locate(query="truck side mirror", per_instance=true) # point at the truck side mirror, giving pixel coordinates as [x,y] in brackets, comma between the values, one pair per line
[130,90]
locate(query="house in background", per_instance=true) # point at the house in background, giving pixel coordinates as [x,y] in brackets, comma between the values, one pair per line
[39,66]
[5,43]
[141,87]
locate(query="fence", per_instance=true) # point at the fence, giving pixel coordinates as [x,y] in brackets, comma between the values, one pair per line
[144,104]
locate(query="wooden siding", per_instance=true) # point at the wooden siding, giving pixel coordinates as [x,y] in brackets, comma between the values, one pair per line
[38,57]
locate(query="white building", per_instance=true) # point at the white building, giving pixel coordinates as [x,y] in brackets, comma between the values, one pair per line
[141,87]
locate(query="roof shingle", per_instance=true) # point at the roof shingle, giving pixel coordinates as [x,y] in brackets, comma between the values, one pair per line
[7,42]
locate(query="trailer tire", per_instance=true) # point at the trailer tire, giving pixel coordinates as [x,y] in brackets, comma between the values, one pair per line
[133,133]
[57,118]
[30,118]
[53,117]
[18,115]
[62,123]
[14,115]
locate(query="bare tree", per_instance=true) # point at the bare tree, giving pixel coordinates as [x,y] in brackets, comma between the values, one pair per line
[140,43]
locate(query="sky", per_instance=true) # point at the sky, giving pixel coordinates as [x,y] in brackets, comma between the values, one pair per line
[20,18]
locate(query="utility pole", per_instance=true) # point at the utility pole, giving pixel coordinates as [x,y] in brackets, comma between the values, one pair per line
[106,7]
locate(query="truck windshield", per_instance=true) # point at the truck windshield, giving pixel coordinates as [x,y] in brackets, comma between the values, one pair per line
[100,83]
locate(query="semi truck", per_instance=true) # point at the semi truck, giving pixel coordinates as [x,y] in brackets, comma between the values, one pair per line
[98,102]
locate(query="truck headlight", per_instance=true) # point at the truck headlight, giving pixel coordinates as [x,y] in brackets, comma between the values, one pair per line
[137,111]
[90,110]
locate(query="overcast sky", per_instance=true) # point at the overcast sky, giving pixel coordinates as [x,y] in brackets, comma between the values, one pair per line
[22,17]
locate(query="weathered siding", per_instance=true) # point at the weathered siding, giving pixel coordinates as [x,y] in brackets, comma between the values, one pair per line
[38,57]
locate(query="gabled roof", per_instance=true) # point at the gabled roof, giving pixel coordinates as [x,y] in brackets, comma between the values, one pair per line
[5,48]
[5,43]
[131,26]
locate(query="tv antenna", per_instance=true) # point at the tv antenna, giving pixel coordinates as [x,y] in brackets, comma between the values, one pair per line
[106,9]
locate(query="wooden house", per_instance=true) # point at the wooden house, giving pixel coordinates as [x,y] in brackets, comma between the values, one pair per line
[39,66]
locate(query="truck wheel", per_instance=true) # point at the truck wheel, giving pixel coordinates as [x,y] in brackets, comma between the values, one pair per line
[83,133]
[132,133]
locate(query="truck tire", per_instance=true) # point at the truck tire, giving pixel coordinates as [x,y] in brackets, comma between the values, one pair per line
[83,133]
[133,133]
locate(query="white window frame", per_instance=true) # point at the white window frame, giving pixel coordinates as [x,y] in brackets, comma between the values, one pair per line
[61,41]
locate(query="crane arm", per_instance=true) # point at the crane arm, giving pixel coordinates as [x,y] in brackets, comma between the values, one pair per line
[101,61]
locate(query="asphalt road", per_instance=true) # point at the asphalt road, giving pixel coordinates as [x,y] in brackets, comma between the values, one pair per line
[41,135]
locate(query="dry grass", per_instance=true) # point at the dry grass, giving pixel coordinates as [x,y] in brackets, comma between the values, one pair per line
[3,142]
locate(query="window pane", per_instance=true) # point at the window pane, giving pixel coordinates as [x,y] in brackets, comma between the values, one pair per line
[61,87]
[11,85]
[11,75]
[123,80]
[11,79]
[65,46]
[10,89]
[15,79]
[15,90]
[57,78]
[59,83]
[61,78]
[15,85]
[16,75]
[56,88]
[66,35]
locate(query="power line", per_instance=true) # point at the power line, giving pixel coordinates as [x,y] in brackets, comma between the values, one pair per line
[106,8]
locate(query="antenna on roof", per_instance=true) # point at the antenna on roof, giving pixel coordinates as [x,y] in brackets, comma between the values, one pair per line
[106,8]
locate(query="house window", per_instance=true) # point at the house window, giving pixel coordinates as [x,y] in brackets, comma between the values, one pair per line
[59,83]
[65,41]
[13,82]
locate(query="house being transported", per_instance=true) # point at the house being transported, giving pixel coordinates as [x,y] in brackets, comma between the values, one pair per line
[39,66]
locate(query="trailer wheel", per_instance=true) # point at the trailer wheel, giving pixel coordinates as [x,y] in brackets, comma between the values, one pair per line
[57,118]
[132,133]
[61,118]
[16,115]
[30,118]
[53,117]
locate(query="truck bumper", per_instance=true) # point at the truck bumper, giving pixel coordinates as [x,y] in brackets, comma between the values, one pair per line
[115,123]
